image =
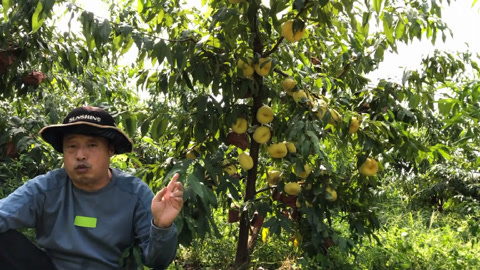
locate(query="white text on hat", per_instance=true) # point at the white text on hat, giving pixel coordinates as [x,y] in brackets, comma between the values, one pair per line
[84,117]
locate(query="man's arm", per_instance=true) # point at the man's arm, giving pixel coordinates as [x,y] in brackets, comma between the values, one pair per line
[19,209]
[159,245]
[162,248]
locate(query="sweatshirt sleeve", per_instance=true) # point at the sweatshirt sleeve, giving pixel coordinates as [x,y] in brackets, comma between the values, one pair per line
[162,248]
[159,245]
[21,208]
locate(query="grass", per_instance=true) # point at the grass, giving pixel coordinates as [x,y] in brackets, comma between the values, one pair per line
[423,239]
[214,253]
[412,243]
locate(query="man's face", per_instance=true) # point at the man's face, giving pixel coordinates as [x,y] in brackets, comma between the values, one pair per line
[87,160]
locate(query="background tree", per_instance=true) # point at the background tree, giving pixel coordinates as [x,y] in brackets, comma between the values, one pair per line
[296,71]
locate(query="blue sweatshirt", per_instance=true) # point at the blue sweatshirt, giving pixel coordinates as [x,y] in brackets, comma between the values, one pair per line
[89,230]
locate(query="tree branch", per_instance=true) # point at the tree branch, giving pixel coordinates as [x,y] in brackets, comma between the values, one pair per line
[281,72]
[280,39]
[265,189]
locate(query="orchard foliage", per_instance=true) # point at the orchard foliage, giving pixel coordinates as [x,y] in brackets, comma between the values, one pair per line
[184,90]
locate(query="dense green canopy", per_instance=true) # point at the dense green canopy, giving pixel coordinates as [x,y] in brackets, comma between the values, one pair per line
[185,90]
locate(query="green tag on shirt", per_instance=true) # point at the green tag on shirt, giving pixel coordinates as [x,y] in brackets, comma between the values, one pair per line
[88,222]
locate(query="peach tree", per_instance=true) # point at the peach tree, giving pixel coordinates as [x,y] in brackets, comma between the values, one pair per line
[265,107]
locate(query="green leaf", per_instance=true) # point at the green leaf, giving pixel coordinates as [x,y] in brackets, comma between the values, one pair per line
[296,129]
[400,30]
[305,148]
[126,30]
[445,106]
[415,31]
[163,83]
[47,6]
[145,126]
[160,16]
[37,20]
[72,59]
[180,57]
[160,50]
[104,31]
[116,43]
[365,18]
[187,80]
[314,139]
[440,149]
[128,44]
[159,127]
[7,4]
[323,2]
[219,15]
[377,5]
[387,27]
[195,184]
[90,41]
[414,101]
[131,125]
[298,4]
[140,6]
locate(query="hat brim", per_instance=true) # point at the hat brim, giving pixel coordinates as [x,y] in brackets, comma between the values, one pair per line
[53,135]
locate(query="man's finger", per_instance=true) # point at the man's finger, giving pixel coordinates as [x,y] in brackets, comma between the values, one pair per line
[160,194]
[171,185]
[179,186]
[178,193]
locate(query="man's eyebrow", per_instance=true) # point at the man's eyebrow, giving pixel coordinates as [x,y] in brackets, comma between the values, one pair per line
[90,139]
[68,137]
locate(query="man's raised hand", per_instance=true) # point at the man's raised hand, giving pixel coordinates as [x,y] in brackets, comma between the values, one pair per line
[167,203]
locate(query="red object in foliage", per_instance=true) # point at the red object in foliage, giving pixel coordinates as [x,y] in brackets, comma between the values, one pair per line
[329,242]
[257,220]
[233,215]
[248,94]
[289,200]
[276,195]
[239,140]
[11,150]
[34,78]
[6,59]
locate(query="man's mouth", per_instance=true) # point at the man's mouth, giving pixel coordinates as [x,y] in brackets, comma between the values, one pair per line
[82,167]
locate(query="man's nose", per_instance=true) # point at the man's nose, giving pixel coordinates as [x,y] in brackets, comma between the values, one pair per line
[81,153]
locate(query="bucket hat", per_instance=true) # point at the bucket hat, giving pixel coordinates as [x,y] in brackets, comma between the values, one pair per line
[88,120]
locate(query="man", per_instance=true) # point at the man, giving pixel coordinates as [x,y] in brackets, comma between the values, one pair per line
[86,213]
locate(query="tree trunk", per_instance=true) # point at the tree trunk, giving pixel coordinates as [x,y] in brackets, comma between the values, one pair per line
[244,250]
[244,246]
